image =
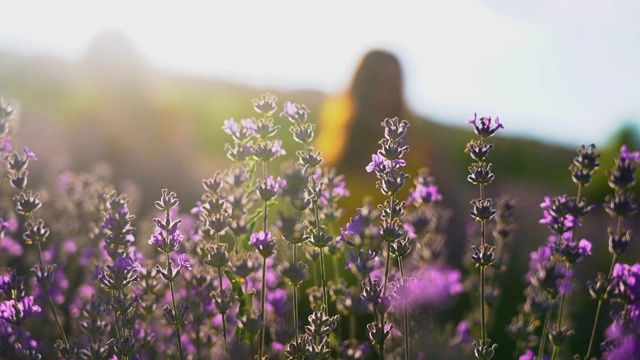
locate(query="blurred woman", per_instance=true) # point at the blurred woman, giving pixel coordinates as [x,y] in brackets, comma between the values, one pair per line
[350,126]
[350,123]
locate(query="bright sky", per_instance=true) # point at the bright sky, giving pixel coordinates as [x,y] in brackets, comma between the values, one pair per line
[560,70]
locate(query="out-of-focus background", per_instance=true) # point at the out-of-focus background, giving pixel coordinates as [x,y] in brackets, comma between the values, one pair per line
[139,90]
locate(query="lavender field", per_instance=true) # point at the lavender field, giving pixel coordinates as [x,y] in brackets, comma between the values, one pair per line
[275,259]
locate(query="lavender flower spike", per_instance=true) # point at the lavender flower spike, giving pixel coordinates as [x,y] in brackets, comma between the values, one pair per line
[485,128]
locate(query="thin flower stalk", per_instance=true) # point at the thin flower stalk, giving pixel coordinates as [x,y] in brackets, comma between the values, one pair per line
[168,240]
[480,173]
[27,203]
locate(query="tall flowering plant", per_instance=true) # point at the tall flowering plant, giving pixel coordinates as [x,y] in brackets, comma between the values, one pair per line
[620,285]
[481,174]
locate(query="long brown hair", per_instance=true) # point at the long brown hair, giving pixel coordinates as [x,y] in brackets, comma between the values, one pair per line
[350,124]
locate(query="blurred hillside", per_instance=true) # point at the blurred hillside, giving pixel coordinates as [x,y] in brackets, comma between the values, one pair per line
[155,130]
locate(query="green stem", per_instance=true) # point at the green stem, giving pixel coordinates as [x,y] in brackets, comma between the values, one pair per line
[198,342]
[483,322]
[405,314]
[388,260]
[50,300]
[559,322]
[483,329]
[262,301]
[295,296]
[543,337]
[386,269]
[175,312]
[224,319]
[295,312]
[116,317]
[597,317]
[323,275]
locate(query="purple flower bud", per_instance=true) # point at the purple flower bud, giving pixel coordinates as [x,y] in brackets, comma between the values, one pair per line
[309,157]
[16,311]
[480,173]
[239,152]
[377,333]
[271,187]
[268,150]
[296,113]
[485,127]
[263,243]
[364,262]
[478,150]
[266,104]
[394,128]
[424,195]
[167,201]
[623,173]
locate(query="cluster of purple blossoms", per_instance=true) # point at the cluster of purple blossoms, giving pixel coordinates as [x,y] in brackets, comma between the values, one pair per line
[425,191]
[118,279]
[551,266]
[251,137]
[16,308]
[168,239]
[27,203]
[386,164]
[622,284]
[263,243]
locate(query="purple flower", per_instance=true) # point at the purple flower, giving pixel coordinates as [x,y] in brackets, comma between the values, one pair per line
[584,247]
[376,164]
[266,104]
[485,127]
[626,282]
[570,250]
[167,242]
[364,262]
[277,300]
[231,127]
[98,273]
[29,155]
[562,213]
[260,239]
[15,312]
[183,262]
[126,264]
[268,150]
[355,227]
[296,113]
[6,147]
[528,355]
[463,333]
[629,156]
[263,243]
[394,128]
[435,287]
[546,274]
[240,132]
[626,348]
[11,247]
[381,165]
[623,173]
[271,187]
[424,195]
[239,152]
